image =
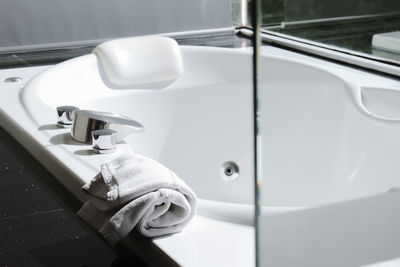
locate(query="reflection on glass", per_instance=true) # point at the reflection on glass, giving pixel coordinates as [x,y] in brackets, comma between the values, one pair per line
[330,149]
[346,24]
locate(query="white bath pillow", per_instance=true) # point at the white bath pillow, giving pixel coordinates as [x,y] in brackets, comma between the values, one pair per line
[148,62]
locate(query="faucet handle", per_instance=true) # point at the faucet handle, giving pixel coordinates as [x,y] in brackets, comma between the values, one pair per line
[104,141]
[86,121]
[65,116]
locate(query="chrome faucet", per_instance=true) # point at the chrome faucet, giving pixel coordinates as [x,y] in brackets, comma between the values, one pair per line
[104,141]
[65,116]
[87,121]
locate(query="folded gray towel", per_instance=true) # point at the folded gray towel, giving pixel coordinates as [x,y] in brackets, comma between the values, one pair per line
[137,192]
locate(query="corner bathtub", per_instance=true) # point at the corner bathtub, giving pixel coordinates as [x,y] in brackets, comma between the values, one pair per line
[327,130]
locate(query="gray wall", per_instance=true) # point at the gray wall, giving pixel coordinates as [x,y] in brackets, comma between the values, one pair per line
[37,22]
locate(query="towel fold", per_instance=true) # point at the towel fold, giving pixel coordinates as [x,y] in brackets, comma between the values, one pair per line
[137,192]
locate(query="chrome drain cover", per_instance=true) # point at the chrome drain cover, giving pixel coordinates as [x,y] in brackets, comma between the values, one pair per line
[229,171]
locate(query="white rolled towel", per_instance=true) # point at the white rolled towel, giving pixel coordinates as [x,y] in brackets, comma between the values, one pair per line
[137,192]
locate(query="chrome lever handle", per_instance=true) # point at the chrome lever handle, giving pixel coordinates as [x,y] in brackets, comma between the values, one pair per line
[65,116]
[86,121]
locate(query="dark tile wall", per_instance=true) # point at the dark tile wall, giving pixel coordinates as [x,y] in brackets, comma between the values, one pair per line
[320,9]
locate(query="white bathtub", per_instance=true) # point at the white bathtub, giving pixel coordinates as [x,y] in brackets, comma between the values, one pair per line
[193,126]
[327,130]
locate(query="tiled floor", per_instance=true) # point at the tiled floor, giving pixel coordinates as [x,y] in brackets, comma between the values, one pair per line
[36,229]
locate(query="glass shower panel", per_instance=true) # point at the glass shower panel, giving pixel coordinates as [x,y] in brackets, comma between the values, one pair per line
[43,31]
[297,10]
[368,27]
[327,154]
[25,24]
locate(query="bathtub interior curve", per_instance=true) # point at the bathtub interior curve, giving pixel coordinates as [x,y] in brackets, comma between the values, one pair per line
[192,126]
[325,137]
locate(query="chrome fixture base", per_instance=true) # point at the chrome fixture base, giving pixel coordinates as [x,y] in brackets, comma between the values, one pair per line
[104,141]
[65,116]
[105,151]
[62,125]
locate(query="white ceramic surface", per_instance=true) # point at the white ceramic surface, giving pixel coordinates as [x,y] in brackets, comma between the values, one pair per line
[388,41]
[139,62]
[193,126]
[325,127]
[330,133]
[331,113]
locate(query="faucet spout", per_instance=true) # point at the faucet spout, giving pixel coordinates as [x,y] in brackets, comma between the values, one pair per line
[86,121]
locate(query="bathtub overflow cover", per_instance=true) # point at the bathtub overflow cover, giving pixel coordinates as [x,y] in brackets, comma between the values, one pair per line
[13,80]
[229,171]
